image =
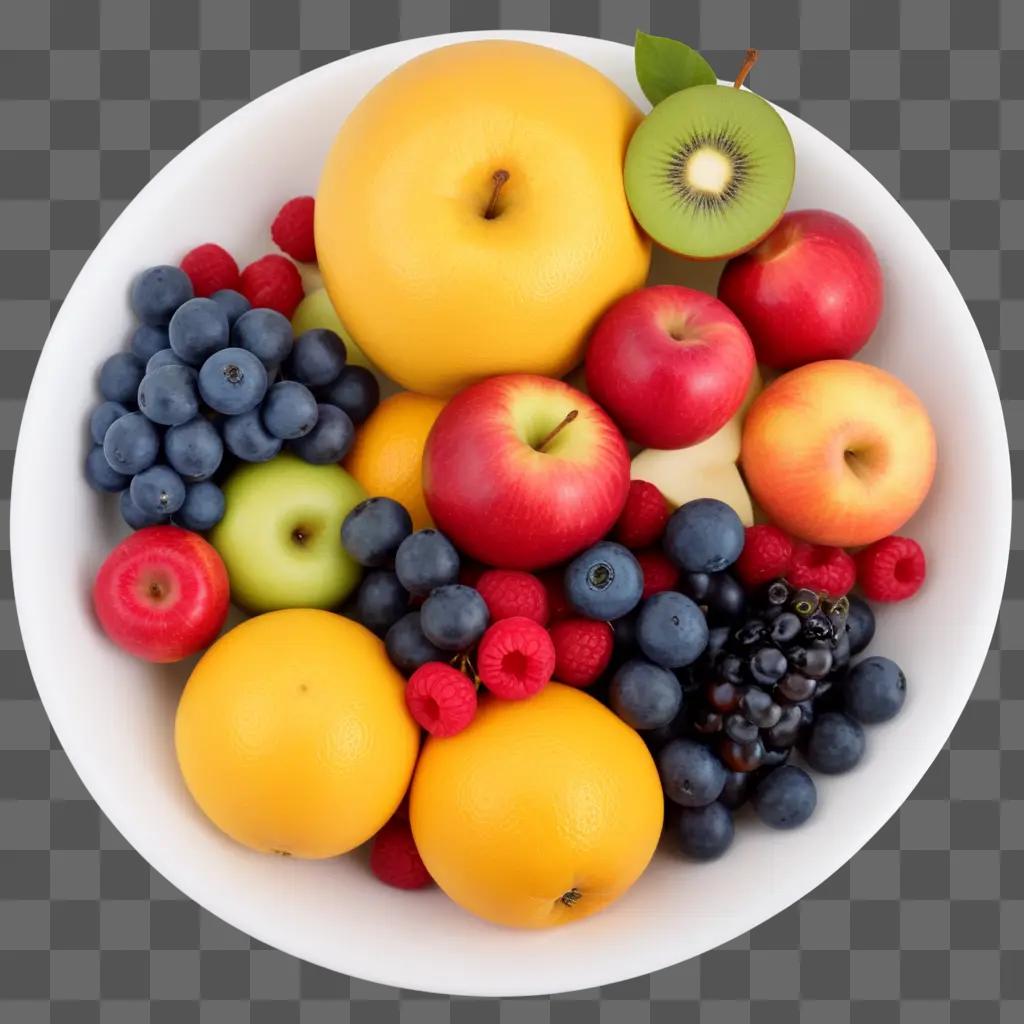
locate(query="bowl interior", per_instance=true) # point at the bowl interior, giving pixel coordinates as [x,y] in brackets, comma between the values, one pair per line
[114,715]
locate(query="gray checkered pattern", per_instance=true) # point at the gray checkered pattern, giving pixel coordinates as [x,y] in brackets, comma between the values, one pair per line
[924,925]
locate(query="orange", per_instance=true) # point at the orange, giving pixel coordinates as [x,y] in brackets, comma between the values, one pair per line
[387,458]
[542,812]
[293,736]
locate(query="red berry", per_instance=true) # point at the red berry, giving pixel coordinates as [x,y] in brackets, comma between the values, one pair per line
[210,268]
[394,858]
[516,658]
[766,553]
[823,569]
[558,604]
[644,517]
[583,649]
[660,572]
[891,569]
[440,698]
[272,282]
[292,230]
[509,592]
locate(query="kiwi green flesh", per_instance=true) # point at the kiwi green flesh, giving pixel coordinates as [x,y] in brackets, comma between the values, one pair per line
[709,171]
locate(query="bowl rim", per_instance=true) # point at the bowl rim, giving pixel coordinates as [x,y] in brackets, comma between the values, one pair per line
[365,964]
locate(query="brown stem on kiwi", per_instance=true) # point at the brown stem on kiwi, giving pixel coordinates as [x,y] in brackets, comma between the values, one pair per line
[554,433]
[748,62]
[499,178]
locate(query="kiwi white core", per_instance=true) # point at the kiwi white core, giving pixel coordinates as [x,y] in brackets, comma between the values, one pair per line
[709,170]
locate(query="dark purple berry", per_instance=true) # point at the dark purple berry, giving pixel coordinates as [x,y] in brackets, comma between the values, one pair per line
[736,790]
[707,722]
[777,593]
[786,731]
[767,666]
[751,632]
[730,668]
[741,757]
[723,696]
[759,708]
[795,687]
[786,628]
[738,729]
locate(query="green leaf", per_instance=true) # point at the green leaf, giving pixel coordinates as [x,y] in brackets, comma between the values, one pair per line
[665,66]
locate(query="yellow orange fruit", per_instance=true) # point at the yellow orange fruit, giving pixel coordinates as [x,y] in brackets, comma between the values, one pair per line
[542,812]
[440,286]
[293,736]
[387,457]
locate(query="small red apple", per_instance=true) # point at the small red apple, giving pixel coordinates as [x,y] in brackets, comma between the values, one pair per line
[522,472]
[811,290]
[162,594]
[670,364]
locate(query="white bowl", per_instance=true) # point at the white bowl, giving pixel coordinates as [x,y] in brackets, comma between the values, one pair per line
[114,714]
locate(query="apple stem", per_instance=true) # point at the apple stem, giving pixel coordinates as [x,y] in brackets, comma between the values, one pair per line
[748,62]
[499,178]
[572,897]
[554,433]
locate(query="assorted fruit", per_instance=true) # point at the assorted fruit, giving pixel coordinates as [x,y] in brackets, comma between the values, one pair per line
[488,635]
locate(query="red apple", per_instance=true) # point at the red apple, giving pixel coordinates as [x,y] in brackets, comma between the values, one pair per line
[162,594]
[811,290]
[670,364]
[523,471]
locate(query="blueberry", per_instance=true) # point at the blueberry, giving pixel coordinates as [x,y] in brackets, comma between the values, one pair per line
[289,410]
[691,775]
[605,582]
[373,530]
[671,630]
[157,292]
[426,559]
[841,655]
[99,474]
[726,599]
[194,449]
[131,444]
[785,798]
[704,535]
[356,391]
[695,585]
[381,601]
[168,395]
[874,690]
[407,647]
[203,507]
[135,517]
[165,357]
[330,440]
[645,696]
[767,666]
[736,789]
[120,376]
[266,333]
[148,340]
[624,630]
[232,381]
[102,416]
[247,438]
[197,330]
[860,624]
[454,617]
[233,303]
[318,356]
[705,833]
[836,743]
[158,491]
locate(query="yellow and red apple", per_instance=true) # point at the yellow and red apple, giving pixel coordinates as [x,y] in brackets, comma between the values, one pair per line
[838,452]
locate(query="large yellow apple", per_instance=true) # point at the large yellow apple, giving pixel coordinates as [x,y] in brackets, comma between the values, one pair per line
[471,218]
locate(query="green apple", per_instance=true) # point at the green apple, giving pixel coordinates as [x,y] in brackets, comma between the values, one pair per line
[315,310]
[280,537]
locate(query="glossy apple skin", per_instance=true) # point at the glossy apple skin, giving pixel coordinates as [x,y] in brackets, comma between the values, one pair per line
[162,594]
[670,365]
[811,290]
[838,452]
[506,504]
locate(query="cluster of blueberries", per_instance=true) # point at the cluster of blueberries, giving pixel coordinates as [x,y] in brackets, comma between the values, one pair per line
[209,376]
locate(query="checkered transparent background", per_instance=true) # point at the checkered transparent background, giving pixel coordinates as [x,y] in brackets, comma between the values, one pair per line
[924,925]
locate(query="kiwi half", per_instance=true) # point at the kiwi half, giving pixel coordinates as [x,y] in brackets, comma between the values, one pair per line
[709,171]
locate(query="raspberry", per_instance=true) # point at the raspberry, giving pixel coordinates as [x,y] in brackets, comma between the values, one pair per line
[516,658]
[292,230]
[558,604]
[509,593]
[765,556]
[440,698]
[583,649]
[272,282]
[210,268]
[891,569]
[826,570]
[394,858]
[643,519]
[660,572]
